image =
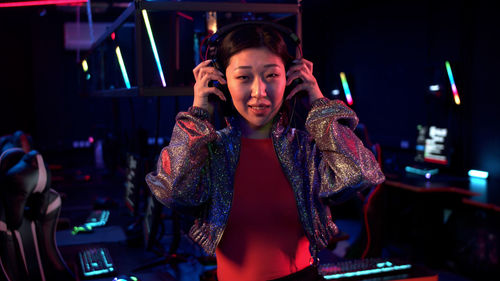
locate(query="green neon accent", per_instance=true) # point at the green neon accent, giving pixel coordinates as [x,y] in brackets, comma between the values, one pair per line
[122,67]
[85,66]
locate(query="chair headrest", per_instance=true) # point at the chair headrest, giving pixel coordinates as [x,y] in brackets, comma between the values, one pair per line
[17,139]
[23,185]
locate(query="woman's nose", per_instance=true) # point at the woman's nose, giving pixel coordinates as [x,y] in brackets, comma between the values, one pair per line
[259,88]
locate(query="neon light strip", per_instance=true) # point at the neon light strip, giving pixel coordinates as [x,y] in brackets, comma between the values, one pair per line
[421,172]
[40,3]
[153,46]
[367,272]
[122,67]
[452,82]
[185,16]
[85,66]
[347,91]
[478,174]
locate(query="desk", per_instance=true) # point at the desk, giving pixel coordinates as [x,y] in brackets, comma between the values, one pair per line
[447,220]
[489,194]
[124,257]
[481,193]
[430,188]
[409,215]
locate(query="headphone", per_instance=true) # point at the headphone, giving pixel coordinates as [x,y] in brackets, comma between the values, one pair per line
[216,39]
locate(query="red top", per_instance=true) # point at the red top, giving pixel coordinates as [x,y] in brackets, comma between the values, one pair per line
[263,238]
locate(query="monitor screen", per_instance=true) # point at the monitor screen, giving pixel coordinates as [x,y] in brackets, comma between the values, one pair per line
[432,145]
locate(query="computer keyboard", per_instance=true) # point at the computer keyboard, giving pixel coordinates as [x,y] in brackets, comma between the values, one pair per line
[354,269]
[95,262]
[97,218]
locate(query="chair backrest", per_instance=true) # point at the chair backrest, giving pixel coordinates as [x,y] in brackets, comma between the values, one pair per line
[366,208]
[373,209]
[29,210]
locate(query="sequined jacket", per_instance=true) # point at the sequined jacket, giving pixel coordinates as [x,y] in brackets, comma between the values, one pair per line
[196,170]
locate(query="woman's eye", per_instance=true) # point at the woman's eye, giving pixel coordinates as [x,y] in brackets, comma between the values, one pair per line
[242,77]
[273,75]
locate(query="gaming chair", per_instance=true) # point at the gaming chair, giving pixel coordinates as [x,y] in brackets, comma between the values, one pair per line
[29,210]
[364,209]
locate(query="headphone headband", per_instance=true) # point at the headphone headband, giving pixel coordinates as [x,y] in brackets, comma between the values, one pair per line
[221,32]
[217,37]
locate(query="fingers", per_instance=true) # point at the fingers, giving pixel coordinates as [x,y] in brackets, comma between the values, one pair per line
[303,69]
[205,68]
[205,79]
[309,65]
[298,88]
[204,73]
[218,93]
[197,69]
[211,72]
[312,90]
[201,95]
[301,63]
[297,75]
[203,89]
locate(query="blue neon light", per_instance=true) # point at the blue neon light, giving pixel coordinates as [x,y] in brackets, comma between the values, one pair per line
[153,46]
[368,271]
[478,174]
[122,67]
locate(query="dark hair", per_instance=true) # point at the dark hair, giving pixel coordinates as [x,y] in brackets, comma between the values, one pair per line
[251,36]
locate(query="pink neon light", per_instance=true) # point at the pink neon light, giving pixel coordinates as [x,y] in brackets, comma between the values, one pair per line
[40,3]
[349,99]
[455,93]
[185,16]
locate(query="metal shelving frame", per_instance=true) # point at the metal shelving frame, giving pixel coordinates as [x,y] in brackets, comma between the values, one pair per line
[135,9]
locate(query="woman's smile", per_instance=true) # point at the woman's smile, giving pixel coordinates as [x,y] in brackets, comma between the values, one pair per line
[261,108]
[256,80]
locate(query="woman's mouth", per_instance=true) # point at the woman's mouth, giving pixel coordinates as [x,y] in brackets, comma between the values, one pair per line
[259,108]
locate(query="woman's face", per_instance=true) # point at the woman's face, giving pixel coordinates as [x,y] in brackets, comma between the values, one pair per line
[256,79]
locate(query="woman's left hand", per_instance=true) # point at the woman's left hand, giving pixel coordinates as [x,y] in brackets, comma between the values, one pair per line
[303,69]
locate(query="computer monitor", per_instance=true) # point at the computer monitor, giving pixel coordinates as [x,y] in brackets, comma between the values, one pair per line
[432,145]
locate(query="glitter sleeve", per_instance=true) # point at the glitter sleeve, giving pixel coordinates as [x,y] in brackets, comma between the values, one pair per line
[345,162]
[181,175]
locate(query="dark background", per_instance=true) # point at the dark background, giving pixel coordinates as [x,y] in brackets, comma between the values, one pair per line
[391,51]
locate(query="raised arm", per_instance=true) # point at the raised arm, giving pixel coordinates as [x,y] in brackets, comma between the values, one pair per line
[181,173]
[346,164]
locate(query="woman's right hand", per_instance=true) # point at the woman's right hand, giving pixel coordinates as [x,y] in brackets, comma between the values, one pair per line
[203,74]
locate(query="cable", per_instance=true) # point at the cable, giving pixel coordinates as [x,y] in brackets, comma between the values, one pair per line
[366,206]
[201,46]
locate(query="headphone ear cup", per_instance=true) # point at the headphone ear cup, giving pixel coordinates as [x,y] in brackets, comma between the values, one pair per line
[292,85]
[227,106]
[225,90]
[288,89]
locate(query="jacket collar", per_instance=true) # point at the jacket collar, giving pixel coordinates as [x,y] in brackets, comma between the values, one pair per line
[278,128]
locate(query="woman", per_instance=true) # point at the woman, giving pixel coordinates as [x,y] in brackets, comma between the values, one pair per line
[256,187]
